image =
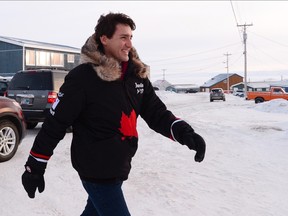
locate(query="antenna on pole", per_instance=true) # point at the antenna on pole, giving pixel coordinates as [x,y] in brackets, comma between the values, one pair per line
[245,56]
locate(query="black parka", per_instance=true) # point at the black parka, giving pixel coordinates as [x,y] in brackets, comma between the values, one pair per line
[102,109]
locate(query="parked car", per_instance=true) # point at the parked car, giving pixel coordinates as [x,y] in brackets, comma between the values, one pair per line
[35,91]
[3,87]
[12,128]
[239,92]
[217,94]
[191,91]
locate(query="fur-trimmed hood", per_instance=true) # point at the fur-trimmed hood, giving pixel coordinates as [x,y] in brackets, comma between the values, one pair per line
[109,69]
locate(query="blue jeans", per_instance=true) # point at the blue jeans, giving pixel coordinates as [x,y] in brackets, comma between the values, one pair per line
[105,199]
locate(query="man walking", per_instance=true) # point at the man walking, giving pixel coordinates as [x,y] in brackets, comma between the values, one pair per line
[102,98]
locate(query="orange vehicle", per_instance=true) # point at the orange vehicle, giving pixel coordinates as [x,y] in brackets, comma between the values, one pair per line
[274,93]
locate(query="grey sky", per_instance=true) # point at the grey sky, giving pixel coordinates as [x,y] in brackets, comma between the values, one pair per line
[186,39]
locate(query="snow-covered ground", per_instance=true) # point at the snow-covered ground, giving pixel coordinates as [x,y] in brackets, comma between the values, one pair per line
[244,172]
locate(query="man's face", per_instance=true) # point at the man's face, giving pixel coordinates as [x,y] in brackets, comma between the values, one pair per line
[120,44]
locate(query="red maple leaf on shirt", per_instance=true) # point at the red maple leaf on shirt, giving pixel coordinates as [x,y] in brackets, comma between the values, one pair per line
[128,125]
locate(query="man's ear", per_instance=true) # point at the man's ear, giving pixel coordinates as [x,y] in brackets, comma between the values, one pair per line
[103,39]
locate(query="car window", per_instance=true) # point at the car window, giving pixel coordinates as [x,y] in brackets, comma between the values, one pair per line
[277,91]
[3,85]
[216,90]
[31,81]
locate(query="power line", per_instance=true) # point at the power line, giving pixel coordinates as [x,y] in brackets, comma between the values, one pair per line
[235,18]
[239,57]
[271,57]
[233,12]
[285,45]
[188,61]
[195,69]
[185,56]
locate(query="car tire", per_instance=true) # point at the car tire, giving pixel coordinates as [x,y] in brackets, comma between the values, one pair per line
[9,140]
[31,125]
[259,100]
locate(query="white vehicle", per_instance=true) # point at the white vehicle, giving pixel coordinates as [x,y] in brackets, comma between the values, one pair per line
[239,92]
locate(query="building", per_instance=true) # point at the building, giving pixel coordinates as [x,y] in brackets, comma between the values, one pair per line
[183,88]
[261,86]
[220,81]
[161,84]
[265,86]
[21,54]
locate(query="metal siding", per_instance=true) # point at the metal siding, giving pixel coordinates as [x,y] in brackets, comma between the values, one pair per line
[10,58]
[12,61]
[70,66]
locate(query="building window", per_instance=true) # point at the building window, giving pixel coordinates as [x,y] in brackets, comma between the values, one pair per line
[42,58]
[70,58]
[30,57]
[57,59]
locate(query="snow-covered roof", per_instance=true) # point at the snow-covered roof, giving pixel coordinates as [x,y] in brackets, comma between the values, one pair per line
[258,85]
[39,45]
[217,79]
[185,86]
[283,83]
[268,84]
[161,84]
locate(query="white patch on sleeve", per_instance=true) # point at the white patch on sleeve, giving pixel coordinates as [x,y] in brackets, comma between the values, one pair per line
[52,109]
[171,129]
[55,104]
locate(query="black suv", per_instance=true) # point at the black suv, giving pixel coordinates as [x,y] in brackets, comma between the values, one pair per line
[35,91]
[3,87]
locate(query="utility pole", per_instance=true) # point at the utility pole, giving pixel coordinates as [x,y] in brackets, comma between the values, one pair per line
[227,67]
[245,56]
[163,73]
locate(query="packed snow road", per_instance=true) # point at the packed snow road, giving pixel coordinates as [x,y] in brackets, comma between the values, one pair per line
[244,172]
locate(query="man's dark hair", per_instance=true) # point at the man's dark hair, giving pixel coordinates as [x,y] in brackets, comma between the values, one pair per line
[106,25]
